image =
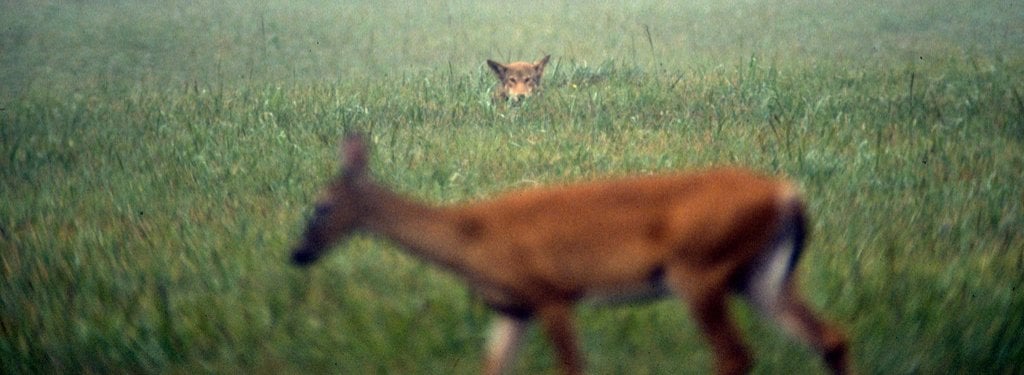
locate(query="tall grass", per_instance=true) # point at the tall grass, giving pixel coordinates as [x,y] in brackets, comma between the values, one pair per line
[157,160]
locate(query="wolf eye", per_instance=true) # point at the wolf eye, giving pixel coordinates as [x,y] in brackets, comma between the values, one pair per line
[513,80]
[526,80]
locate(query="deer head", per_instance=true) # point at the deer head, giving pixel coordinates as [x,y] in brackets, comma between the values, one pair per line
[341,207]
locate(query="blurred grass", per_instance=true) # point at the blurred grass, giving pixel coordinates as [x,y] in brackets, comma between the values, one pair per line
[157,160]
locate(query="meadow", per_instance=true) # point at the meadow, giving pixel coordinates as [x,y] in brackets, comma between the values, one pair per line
[157,160]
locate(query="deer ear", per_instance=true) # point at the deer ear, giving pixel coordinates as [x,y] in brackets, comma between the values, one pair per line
[353,155]
[497,68]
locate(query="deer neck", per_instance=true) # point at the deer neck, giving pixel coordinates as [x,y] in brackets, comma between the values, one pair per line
[426,231]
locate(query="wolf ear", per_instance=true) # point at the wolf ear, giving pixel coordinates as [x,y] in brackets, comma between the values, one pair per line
[353,155]
[497,68]
[540,64]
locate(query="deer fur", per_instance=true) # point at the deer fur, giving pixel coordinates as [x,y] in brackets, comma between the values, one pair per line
[532,254]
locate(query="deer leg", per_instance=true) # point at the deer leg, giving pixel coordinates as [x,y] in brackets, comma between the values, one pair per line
[770,288]
[558,325]
[709,307]
[712,316]
[798,319]
[791,313]
[503,344]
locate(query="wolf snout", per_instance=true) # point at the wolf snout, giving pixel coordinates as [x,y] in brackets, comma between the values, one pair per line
[515,98]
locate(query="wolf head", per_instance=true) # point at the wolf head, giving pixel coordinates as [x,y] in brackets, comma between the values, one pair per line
[519,79]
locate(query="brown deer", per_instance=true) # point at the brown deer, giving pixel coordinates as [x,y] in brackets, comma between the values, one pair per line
[534,253]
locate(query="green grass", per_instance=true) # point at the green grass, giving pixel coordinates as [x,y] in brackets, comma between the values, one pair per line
[158,159]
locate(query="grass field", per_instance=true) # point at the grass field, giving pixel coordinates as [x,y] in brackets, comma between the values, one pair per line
[158,159]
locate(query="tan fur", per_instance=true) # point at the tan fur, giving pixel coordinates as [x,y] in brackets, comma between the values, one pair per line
[535,253]
[518,79]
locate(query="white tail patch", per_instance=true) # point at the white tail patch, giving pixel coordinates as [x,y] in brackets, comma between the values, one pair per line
[768,279]
[506,334]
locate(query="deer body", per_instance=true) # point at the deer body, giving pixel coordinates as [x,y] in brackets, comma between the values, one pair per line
[533,254]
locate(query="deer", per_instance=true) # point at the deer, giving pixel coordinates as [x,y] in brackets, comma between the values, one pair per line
[533,254]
